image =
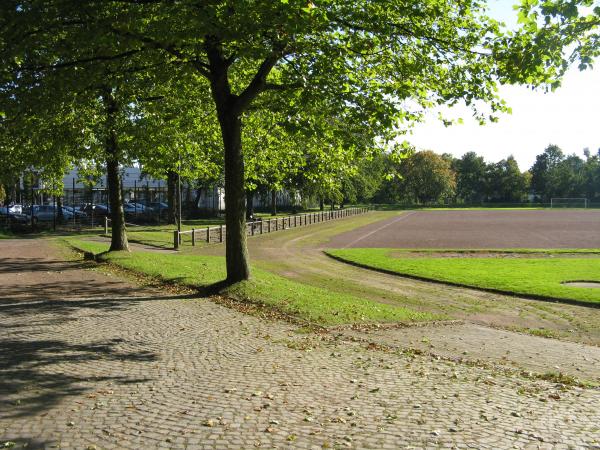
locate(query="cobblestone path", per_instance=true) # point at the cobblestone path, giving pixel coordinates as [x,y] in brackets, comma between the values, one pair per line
[89,361]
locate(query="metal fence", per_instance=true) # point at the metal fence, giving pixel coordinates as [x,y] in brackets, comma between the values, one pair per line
[216,234]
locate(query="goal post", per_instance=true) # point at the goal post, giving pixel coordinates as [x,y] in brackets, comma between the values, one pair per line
[560,202]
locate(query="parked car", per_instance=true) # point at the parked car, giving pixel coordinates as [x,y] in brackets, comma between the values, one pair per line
[78,213]
[158,206]
[46,213]
[133,207]
[14,217]
[15,209]
[95,210]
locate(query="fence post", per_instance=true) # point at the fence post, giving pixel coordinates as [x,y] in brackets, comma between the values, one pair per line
[220,233]
[208,234]
[105,225]
[261,227]
[276,224]
[269,226]
[193,237]
[295,224]
[176,240]
[252,228]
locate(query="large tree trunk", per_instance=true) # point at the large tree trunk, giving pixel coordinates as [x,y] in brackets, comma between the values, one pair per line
[321,204]
[249,204]
[113,176]
[236,250]
[273,202]
[172,197]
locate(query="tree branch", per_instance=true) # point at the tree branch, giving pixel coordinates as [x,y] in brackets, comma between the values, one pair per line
[169,48]
[259,82]
[81,61]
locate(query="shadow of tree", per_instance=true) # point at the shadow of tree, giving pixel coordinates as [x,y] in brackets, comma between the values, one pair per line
[17,265]
[39,367]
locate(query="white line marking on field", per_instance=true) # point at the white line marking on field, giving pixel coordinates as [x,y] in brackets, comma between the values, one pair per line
[403,216]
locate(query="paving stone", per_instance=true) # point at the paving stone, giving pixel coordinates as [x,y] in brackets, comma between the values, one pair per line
[141,369]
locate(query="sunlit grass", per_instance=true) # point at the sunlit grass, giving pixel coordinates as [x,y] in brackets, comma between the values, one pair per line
[304,301]
[531,276]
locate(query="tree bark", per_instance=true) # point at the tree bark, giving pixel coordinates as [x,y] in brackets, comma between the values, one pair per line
[230,108]
[172,196]
[236,250]
[113,176]
[321,204]
[273,202]
[249,204]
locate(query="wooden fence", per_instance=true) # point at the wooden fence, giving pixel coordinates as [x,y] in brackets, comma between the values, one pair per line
[217,234]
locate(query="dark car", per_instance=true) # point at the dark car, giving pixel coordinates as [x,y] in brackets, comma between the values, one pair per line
[95,210]
[13,217]
[158,206]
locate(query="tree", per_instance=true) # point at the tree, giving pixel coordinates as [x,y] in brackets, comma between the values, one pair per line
[470,177]
[362,185]
[427,178]
[359,60]
[555,175]
[592,175]
[505,182]
[541,171]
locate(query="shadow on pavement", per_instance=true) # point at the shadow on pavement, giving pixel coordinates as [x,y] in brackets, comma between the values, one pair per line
[37,374]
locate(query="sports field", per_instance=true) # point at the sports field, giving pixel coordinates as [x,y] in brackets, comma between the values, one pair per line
[549,229]
[534,253]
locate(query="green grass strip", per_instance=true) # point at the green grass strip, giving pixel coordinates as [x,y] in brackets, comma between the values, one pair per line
[532,277]
[305,301]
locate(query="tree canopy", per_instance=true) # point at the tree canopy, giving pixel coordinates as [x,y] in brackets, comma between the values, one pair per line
[372,66]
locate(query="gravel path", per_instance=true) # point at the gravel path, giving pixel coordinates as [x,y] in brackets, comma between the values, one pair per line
[90,361]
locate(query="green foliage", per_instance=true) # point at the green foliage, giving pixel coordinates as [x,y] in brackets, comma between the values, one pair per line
[424,177]
[470,177]
[505,182]
[340,77]
[556,175]
[526,276]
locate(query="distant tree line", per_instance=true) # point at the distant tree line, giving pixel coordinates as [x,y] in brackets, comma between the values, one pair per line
[426,177]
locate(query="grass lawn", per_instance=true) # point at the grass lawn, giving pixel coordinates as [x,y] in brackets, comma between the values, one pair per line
[304,301]
[531,276]
[5,234]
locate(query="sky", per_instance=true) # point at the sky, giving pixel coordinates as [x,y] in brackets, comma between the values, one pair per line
[568,117]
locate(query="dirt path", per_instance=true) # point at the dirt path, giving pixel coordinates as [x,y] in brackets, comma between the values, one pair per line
[91,361]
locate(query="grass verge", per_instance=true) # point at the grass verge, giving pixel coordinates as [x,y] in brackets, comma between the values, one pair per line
[499,251]
[6,234]
[532,277]
[306,302]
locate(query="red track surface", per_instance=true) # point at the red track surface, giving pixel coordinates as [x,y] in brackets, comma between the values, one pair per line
[479,229]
